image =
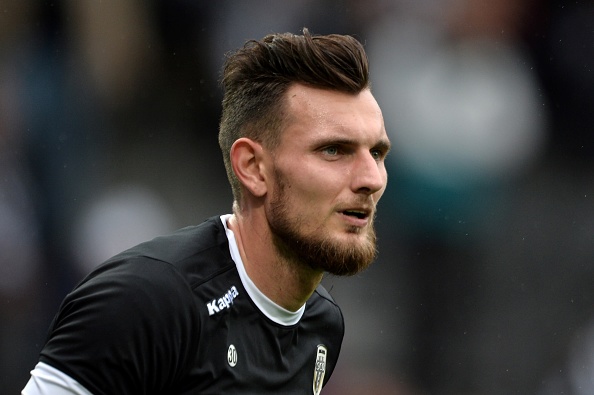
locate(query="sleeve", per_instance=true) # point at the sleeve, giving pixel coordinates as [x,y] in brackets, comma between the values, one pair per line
[129,329]
[48,380]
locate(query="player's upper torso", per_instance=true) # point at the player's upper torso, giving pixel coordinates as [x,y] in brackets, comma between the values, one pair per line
[177,315]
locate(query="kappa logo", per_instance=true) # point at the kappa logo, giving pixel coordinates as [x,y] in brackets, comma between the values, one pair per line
[320,369]
[224,302]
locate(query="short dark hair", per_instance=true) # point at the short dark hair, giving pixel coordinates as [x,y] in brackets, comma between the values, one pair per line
[256,77]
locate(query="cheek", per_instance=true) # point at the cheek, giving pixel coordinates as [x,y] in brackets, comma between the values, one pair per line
[310,185]
[321,186]
[310,201]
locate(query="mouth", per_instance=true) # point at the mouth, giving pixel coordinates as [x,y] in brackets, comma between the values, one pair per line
[358,217]
[356,213]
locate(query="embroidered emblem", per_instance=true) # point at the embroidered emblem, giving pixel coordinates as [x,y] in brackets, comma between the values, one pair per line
[320,370]
[232,355]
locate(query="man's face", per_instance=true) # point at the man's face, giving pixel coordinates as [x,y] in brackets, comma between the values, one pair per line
[328,175]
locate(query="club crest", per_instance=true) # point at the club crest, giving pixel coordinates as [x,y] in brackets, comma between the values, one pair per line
[320,369]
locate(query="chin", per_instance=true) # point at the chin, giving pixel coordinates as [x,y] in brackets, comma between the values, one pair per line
[346,256]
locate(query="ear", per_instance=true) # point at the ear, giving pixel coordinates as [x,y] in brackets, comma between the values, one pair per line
[247,158]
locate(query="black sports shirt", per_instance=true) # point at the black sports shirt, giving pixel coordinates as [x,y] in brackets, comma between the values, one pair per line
[178,315]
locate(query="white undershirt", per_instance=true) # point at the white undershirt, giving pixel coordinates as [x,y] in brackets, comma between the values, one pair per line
[47,380]
[273,311]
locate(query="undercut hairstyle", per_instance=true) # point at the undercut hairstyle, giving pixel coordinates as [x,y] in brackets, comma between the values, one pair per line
[256,77]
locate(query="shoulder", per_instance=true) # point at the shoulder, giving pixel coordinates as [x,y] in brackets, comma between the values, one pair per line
[138,312]
[207,238]
[325,299]
[325,295]
[141,298]
[323,306]
[154,279]
[195,254]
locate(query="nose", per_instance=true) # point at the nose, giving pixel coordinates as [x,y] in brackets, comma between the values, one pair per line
[369,175]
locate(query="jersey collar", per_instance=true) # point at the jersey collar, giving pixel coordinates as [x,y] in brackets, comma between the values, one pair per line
[270,309]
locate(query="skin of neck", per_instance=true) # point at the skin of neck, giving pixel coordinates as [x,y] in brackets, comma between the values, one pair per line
[288,283]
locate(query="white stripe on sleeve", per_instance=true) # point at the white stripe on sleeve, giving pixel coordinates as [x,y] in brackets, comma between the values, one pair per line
[46,380]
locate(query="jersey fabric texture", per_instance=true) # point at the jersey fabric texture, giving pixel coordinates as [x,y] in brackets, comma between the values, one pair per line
[173,316]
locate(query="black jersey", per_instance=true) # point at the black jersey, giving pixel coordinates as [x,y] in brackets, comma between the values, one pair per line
[172,316]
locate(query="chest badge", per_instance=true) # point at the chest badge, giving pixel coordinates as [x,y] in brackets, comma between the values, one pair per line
[320,369]
[232,356]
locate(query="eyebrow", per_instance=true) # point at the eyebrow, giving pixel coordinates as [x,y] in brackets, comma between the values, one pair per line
[382,144]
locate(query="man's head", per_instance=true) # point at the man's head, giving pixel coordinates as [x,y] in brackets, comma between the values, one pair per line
[256,78]
[304,144]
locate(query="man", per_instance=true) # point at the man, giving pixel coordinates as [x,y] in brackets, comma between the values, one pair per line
[235,305]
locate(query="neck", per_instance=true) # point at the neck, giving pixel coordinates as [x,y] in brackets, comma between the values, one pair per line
[288,283]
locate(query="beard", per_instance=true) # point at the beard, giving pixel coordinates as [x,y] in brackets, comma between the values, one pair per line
[317,249]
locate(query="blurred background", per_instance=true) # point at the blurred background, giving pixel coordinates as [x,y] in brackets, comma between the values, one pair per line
[485,280]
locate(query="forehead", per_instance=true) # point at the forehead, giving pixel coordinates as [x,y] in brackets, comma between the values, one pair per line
[313,111]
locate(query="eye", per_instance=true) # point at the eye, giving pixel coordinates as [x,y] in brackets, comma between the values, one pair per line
[380,151]
[377,154]
[331,151]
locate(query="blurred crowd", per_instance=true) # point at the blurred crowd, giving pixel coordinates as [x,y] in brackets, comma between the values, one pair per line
[484,284]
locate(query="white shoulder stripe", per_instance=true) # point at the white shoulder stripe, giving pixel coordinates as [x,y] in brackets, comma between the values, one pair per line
[47,380]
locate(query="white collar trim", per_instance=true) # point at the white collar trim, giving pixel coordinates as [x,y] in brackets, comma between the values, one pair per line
[270,309]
